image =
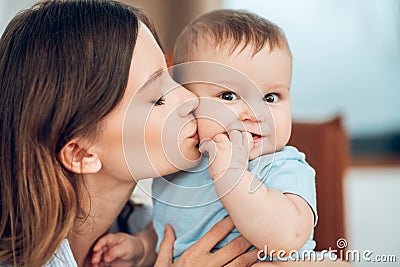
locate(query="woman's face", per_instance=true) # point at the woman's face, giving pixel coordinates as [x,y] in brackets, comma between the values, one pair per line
[152,131]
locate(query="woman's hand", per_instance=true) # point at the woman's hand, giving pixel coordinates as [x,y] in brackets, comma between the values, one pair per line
[199,254]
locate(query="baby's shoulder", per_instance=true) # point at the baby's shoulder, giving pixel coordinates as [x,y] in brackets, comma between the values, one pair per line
[286,153]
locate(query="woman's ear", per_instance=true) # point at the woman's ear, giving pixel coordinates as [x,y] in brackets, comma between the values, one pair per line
[76,158]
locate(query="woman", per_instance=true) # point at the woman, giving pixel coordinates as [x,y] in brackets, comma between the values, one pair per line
[68,72]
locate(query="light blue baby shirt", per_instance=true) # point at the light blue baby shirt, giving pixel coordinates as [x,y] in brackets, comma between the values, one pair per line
[187,200]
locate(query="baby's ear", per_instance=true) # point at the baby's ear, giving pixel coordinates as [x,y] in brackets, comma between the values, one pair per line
[77,158]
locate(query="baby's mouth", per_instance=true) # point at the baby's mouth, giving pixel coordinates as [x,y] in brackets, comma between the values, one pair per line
[256,137]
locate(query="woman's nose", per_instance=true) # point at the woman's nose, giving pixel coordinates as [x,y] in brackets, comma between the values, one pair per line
[189,101]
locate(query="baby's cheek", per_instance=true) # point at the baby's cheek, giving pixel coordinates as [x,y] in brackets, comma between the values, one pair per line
[208,128]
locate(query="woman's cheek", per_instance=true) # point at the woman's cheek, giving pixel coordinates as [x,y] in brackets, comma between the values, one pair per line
[153,139]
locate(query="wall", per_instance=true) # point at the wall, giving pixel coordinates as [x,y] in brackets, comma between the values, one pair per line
[8,9]
[346,59]
[171,16]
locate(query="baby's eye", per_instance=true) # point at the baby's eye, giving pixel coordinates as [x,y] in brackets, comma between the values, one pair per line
[271,98]
[228,96]
[159,102]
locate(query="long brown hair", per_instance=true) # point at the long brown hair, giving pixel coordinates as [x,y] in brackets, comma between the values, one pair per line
[64,66]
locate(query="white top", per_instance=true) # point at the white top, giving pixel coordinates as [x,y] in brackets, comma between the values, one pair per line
[62,257]
[137,222]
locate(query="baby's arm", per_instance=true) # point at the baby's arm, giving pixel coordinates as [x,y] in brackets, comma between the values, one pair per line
[265,217]
[126,250]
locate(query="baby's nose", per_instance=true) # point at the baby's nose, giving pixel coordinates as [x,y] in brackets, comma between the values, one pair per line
[254,112]
[246,112]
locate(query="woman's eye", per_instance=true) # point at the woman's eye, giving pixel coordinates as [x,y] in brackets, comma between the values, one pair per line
[271,98]
[229,96]
[160,101]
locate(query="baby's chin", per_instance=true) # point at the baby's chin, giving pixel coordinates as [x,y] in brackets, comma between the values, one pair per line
[255,155]
[257,152]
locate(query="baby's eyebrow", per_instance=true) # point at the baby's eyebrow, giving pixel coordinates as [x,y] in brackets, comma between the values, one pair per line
[240,87]
[277,85]
[227,84]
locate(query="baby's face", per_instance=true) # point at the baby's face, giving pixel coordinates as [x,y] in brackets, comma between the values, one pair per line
[253,96]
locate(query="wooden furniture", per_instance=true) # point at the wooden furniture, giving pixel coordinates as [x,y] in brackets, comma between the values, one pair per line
[327,150]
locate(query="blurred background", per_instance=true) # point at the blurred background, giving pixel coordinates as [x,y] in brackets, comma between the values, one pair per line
[346,64]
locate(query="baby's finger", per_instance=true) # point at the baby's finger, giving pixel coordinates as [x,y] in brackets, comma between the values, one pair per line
[203,145]
[104,241]
[208,146]
[96,258]
[236,138]
[99,245]
[221,138]
[114,253]
[247,140]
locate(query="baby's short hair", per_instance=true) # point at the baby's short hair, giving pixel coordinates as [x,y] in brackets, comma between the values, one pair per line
[229,27]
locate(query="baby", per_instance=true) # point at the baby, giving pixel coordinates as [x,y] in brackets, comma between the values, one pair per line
[240,66]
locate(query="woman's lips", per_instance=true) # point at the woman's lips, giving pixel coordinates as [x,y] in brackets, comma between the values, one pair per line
[194,135]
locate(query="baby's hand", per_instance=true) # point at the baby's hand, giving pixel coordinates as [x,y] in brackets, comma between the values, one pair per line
[118,249]
[228,155]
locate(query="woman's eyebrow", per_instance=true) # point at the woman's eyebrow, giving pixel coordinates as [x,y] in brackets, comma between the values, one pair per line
[153,77]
